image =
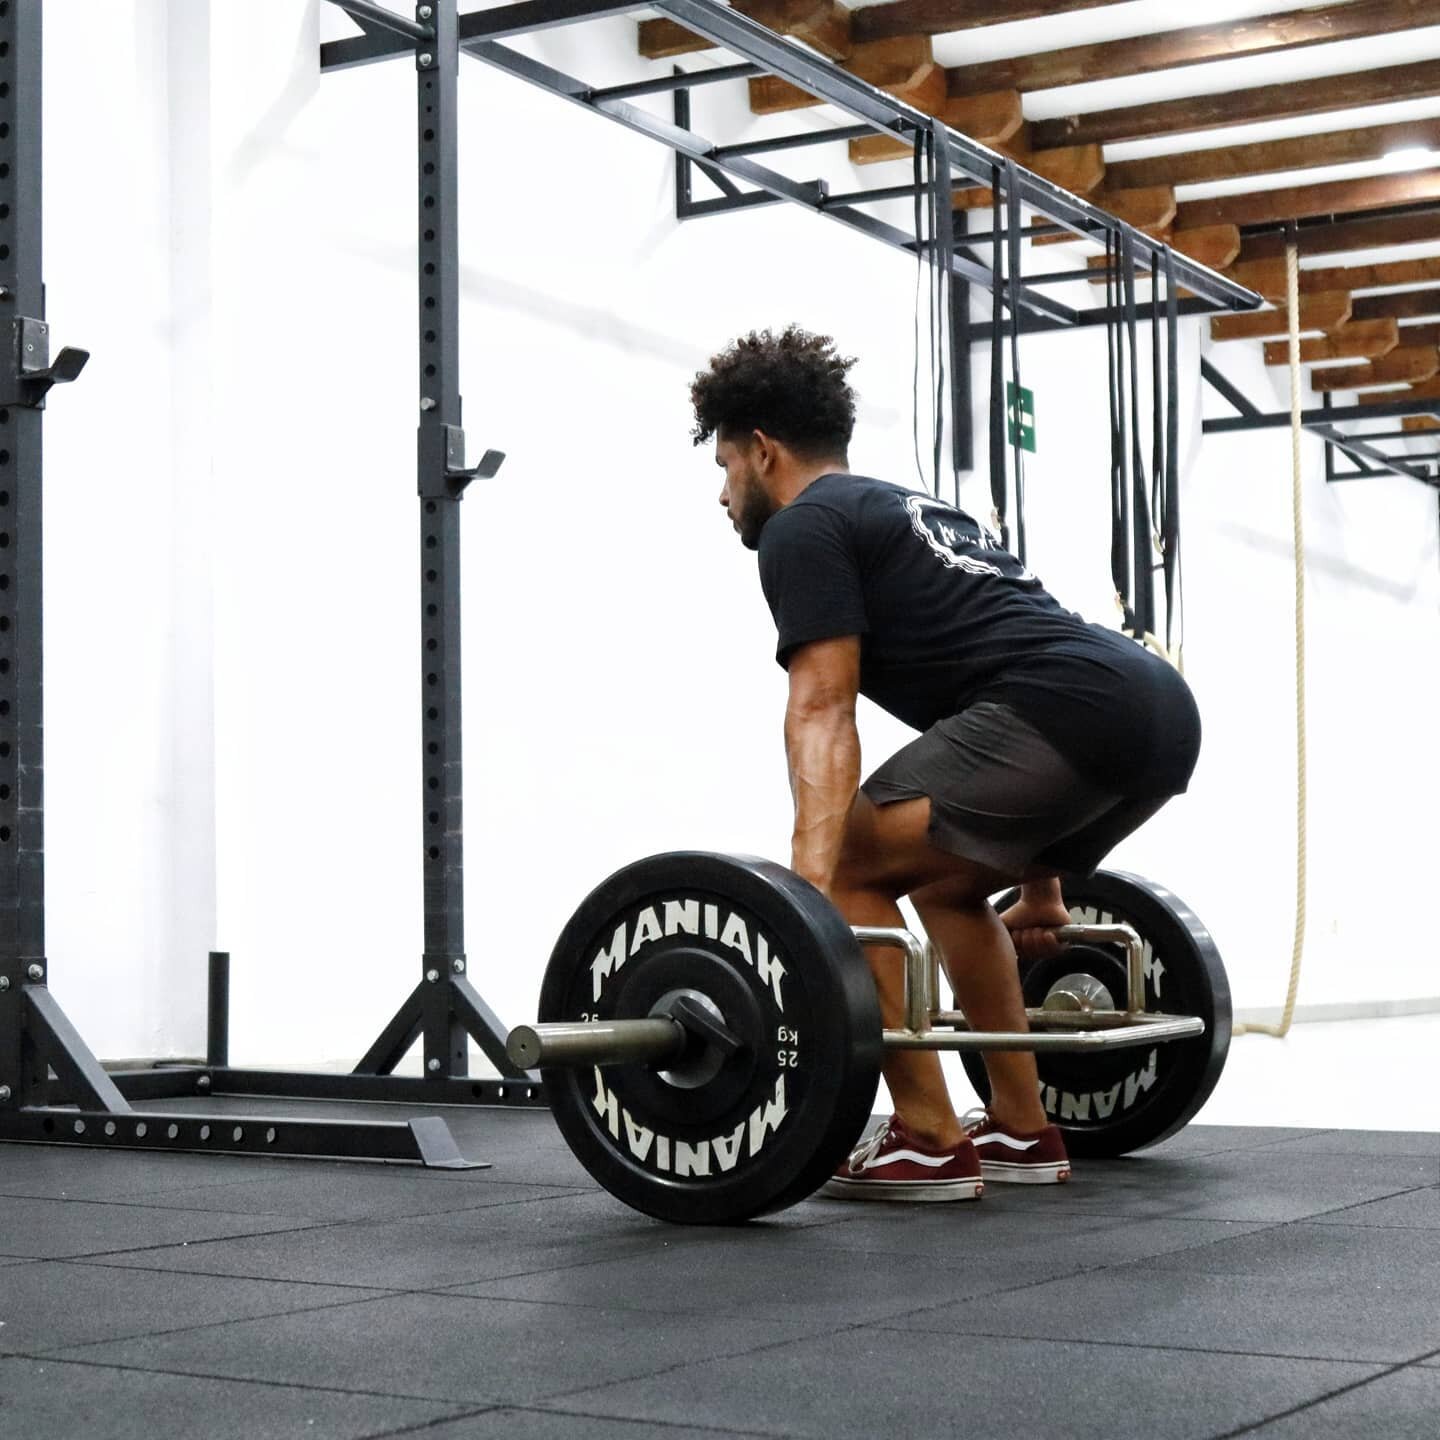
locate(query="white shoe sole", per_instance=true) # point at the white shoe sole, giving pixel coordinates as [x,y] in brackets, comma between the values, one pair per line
[1003,1174]
[912,1190]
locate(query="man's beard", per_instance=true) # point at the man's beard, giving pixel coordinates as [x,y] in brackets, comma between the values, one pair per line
[756,510]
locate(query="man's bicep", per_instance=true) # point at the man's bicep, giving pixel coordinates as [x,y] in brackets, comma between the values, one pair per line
[825,675]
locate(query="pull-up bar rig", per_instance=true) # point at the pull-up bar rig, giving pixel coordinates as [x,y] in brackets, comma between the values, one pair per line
[52,1088]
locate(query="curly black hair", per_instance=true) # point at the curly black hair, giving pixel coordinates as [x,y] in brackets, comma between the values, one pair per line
[791,386]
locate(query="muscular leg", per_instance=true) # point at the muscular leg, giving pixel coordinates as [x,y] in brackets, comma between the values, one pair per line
[980,961]
[888,854]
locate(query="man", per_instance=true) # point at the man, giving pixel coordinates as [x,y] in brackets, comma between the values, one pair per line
[1045,740]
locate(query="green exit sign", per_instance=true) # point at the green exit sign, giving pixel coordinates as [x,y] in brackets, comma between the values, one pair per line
[1020,405]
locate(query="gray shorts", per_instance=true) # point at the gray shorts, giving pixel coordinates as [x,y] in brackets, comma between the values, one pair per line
[1003,796]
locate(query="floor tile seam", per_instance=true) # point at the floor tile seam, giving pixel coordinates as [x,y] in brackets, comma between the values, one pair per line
[893,1329]
[132,1368]
[545,1408]
[1376,1200]
[195,1244]
[834,1332]
[421,1426]
[1300,1409]
[63,1351]
[100,1264]
[450,1291]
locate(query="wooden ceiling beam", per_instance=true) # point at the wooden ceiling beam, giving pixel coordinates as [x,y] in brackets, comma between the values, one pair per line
[1416,334]
[1080,169]
[1150,210]
[1317,312]
[1195,45]
[1302,202]
[1412,363]
[1267,277]
[1417,423]
[904,67]
[821,23]
[1401,305]
[1214,246]
[1363,234]
[1270,157]
[993,120]
[938,17]
[1425,390]
[1359,340]
[1241,107]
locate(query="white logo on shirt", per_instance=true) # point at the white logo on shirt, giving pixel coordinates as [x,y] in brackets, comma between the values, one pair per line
[951,538]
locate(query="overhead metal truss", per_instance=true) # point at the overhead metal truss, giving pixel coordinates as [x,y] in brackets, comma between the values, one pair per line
[1338,426]
[743,182]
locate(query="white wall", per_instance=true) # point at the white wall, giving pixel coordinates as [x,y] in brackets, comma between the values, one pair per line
[620,693]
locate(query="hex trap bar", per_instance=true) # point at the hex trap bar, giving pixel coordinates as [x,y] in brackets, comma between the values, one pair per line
[52,1088]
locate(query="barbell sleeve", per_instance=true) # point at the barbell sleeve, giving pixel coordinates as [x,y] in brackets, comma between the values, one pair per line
[596,1042]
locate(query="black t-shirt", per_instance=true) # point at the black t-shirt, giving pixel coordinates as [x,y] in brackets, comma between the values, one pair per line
[946,618]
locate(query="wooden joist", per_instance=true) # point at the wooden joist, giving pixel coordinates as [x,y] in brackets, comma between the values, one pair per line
[1268,277]
[1361,234]
[821,23]
[1416,362]
[1416,424]
[1195,45]
[1317,312]
[1151,210]
[1079,169]
[1267,157]
[1425,390]
[1214,246]
[1417,334]
[1401,305]
[1300,202]
[904,67]
[936,17]
[1359,340]
[1241,107]
[993,120]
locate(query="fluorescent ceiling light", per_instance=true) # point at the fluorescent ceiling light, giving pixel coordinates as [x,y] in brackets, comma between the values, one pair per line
[1412,157]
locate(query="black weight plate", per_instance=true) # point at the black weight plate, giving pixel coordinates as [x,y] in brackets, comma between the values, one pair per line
[789,978]
[1113,1102]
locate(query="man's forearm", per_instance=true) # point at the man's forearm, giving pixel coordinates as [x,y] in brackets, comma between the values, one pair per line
[823,748]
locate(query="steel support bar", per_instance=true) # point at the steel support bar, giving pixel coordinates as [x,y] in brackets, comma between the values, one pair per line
[1280,419]
[1358,450]
[363,12]
[811,195]
[424,1141]
[1087,319]
[1222,385]
[797,141]
[685,80]
[412,1090]
[828,82]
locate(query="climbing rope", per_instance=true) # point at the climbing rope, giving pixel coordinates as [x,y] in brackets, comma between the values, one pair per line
[1292,259]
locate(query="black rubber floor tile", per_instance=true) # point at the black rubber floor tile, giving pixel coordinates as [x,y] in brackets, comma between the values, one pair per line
[512,1423]
[1416,1209]
[72,1172]
[368,1194]
[1358,1254]
[451,1347]
[41,1399]
[1023,1242]
[1322,1312]
[434,1251]
[740,1278]
[1400,1406]
[53,1305]
[1368,1142]
[868,1383]
[1271,1185]
[1216,1139]
[63,1229]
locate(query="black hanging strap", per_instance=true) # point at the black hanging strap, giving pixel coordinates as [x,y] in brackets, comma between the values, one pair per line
[998,479]
[1012,227]
[1144,576]
[942,195]
[1115,258]
[1170,530]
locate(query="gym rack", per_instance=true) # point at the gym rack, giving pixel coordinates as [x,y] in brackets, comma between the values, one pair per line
[52,1088]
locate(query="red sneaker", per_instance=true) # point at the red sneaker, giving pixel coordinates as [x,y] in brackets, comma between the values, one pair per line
[1016,1159]
[892,1165]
